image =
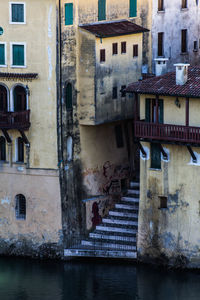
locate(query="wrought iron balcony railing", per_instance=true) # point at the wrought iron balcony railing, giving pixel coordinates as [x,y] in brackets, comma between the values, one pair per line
[15,120]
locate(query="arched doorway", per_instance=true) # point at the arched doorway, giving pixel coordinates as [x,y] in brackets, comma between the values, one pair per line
[3,99]
[19,98]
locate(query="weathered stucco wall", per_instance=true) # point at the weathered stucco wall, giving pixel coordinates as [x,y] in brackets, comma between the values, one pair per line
[170,235]
[171,21]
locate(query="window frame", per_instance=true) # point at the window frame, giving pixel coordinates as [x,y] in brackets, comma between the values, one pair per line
[5,54]
[10,13]
[18,199]
[11,54]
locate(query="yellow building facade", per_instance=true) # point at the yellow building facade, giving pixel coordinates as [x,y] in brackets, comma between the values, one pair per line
[167,129]
[30,209]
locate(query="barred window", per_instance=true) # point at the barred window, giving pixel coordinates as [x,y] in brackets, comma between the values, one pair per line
[20,207]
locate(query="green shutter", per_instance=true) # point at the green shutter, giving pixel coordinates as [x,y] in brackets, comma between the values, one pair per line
[18,55]
[147,110]
[18,13]
[155,156]
[69,96]
[69,14]
[133,8]
[160,103]
[2,54]
[101,10]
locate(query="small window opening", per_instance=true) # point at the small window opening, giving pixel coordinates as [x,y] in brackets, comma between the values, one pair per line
[123,47]
[102,55]
[20,150]
[115,48]
[135,50]
[123,92]
[184,3]
[20,207]
[195,46]
[160,5]
[163,202]
[114,93]
[119,136]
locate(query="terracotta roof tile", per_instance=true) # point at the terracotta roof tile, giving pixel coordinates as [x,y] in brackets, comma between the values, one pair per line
[109,29]
[165,85]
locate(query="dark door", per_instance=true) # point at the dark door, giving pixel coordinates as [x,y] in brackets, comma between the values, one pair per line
[3,99]
[19,99]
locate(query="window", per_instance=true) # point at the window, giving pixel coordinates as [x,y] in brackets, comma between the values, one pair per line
[133,8]
[20,150]
[160,43]
[123,47]
[69,14]
[17,13]
[114,93]
[123,92]
[69,96]
[160,5]
[119,136]
[19,95]
[184,3]
[102,55]
[135,50]
[163,202]
[101,10]
[69,148]
[150,110]
[3,99]
[155,156]
[3,55]
[195,46]
[20,207]
[115,48]
[184,40]
[18,55]
[2,149]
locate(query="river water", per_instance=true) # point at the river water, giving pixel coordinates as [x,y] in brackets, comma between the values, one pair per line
[23,279]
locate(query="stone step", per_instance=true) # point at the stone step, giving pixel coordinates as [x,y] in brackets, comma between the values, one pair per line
[126,206]
[134,184]
[70,253]
[123,214]
[134,192]
[120,222]
[112,237]
[108,245]
[130,199]
[115,229]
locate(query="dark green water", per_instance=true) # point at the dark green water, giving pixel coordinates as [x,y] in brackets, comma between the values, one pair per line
[22,279]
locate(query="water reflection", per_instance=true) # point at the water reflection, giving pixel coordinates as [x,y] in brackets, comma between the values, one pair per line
[22,279]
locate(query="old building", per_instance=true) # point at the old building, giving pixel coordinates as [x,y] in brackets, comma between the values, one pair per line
[101,52]
[175,31]
[167,129]
[30,210]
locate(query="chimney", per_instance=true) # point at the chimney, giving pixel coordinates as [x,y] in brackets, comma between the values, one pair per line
[181,73]
[161,66]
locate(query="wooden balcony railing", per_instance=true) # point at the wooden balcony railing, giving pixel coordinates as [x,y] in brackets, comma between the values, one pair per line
[15,120]
[167,132]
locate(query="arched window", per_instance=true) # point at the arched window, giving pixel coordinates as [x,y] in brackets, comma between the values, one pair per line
[19,98]
[2,148]
[69,96]
[20,207]
[20,150]
[3,99]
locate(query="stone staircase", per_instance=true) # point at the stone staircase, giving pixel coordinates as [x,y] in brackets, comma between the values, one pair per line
[116,236]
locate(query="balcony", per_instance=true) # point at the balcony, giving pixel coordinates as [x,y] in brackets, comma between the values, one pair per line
[15,120]
[167,132]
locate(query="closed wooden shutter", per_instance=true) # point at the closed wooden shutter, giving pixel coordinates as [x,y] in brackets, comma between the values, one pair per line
[147,110]
[18,13]
[2,54]
[69,14]
[69,96]
[155,156]
[101,10]
[133,8]
[161,113]
[160,5]
[18,55]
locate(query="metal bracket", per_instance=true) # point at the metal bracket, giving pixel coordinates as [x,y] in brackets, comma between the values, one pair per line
[142,150]
[163,152]
[194,159]
[6,135]
[24,137]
